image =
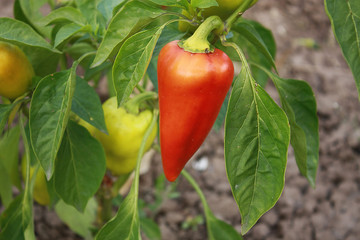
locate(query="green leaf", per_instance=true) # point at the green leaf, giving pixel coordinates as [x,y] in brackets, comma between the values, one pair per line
[5,186]
[41,54]
[219,230]
[30,12]
[172,3]
[249,32]
[11,221]
[68,30]
[150,228]
[80,223]
[257,136]
[16,222]
[345,21]
[204,3]
[49,112]
[133,16]
[87,105]
[106,7]
[132,61]
[5,110]
[93,16]
[298,101]
[266,35]
[65,15]
[80,166]
[126,223]
[9,163]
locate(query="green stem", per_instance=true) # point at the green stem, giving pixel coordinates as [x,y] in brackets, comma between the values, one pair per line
[132,106]
[149,130]
[239,52]
[238,13]
[192,181]
[119,183]
[198,42]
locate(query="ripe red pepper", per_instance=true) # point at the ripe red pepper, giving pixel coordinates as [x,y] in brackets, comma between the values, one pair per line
[192,88]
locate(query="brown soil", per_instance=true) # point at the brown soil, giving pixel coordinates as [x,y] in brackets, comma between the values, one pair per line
[332,210]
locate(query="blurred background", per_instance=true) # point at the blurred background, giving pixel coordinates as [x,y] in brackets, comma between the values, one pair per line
[306,50]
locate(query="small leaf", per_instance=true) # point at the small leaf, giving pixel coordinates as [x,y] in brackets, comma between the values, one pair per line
[150,228]
[133,16]
[132,61]
[80,166]
[106,7]
[64,15]
[345,21]
[67,31]
[126,223]
[80,223]
[5,110]
[298,101]
[49,112]
[204,3]
[219,230]
[30,10]
[87,105]
[11,221]
[249,32]
[257,136]
[9,162]
[172,3]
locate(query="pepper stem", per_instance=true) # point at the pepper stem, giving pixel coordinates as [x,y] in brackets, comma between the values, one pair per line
[133,105]
[238,13]
[198,42]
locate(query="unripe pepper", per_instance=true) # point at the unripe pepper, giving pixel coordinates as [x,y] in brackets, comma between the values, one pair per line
[16,71]
[192,88]
[126,128]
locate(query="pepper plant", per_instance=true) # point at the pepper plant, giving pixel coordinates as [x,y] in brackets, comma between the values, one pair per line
[173,58]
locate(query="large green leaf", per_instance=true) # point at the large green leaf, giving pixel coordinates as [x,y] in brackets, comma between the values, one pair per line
[257,136]
[345,20]
[49,112]
[80,166]
[132,61]
[133,16]
[87,105]
[41,54]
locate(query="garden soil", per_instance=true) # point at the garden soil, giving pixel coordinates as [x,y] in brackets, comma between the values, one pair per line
[306,50]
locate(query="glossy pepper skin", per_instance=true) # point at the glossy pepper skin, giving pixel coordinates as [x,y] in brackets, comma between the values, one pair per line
[126,131]
[16,71]
[192,88]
